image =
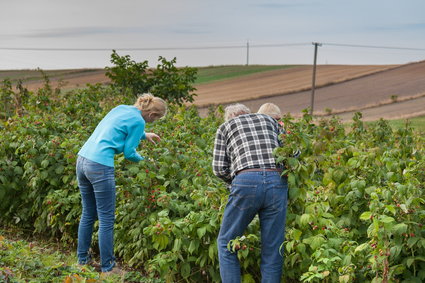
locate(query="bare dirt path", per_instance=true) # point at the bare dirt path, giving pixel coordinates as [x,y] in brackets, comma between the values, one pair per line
[360,94]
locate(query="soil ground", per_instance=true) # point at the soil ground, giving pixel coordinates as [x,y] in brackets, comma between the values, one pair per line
[378,91]
[392,93]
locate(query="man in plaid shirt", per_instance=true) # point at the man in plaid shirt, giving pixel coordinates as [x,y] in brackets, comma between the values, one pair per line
[243,158]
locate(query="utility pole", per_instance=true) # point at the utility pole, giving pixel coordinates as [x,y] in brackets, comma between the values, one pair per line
[313,84]
[247,53]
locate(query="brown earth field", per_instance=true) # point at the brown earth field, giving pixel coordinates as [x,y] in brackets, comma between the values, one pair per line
[389,92]
[378,91]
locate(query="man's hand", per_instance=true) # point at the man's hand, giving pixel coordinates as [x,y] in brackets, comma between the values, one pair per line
[152,137]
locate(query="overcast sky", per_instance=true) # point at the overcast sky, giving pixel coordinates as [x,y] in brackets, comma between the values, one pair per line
[289,26]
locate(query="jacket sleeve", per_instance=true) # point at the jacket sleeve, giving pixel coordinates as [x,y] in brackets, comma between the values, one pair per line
[221,162]
[134,135]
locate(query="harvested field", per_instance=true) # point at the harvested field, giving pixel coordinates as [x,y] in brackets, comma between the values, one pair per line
[279,82]
[72,79]
[383,91]
[391,93]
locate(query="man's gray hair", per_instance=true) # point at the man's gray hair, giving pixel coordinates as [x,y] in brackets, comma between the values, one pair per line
[234,110]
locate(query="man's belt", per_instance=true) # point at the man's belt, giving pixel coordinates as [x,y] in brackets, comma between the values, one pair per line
[260,170]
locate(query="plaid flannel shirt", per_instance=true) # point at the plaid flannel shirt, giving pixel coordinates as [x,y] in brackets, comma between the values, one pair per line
[245,142]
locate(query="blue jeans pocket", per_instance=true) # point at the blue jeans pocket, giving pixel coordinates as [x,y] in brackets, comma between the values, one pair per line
[279,197]
[243,196]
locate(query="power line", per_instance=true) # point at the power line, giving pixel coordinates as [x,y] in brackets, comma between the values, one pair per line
[207,47]
[151,48]
[373,46]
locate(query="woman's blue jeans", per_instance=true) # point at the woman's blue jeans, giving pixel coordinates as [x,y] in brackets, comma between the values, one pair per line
[265,193]
[97,187]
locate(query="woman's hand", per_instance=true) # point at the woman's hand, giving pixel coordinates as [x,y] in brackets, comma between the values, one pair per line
[152,137]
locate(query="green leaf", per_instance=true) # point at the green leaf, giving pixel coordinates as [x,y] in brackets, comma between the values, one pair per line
[44,163]
[134,170]
[399,228]
[201,232]
[347,260]
[2,193]
[395,251]
[185,269]
[59,170]
[193,246]
[291,181]
[301,248]
[365,215]
[315,242]
[44,175]
[386,219]
[212,251]
[294,193]
[410,261]
[177,244]
[296,234]
[361,247]
[412,241]
[18,170]
[391,209]
[305,219]
[163,213]
[247,278]
[290,246]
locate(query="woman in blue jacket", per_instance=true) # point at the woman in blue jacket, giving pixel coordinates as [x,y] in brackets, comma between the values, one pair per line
[120,131]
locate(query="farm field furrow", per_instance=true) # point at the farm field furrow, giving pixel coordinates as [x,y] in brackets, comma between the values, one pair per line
[278,82]
[399,110]
[357,94]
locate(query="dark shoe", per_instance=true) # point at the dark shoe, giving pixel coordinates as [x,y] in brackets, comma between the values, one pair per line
[92,263]
[95,265]
[116,271]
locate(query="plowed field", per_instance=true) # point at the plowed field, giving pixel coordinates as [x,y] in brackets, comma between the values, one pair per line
[383,91]
[388,92]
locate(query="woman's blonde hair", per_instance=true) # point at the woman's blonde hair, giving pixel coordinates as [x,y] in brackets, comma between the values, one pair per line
[270,109]
[148,104]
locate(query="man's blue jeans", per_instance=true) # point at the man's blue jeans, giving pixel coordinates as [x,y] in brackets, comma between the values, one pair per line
[265,193]
[97,187]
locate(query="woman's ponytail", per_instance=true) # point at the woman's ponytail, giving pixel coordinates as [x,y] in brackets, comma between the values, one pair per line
[148,103]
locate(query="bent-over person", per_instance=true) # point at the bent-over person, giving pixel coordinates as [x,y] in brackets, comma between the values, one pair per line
[243,158]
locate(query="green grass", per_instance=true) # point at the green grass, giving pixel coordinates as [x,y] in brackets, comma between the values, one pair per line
[417,123]
[34,260]
[216,73]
